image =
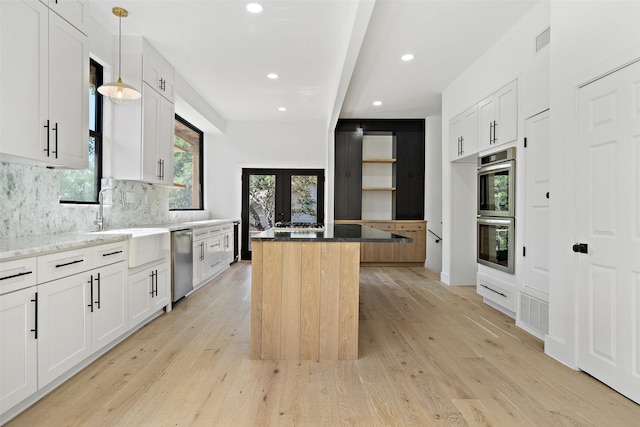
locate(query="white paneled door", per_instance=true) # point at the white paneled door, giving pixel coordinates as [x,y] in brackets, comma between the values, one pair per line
[609,223]
[536,260]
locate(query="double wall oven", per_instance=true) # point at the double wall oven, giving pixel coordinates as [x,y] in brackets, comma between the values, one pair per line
[496,210]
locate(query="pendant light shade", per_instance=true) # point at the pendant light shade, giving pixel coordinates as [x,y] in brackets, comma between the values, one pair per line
[119,93]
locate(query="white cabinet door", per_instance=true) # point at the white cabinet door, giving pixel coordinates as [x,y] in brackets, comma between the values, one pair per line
[149,291]
[536,259]
[198,262]
[157,72]
[64,326]
[74,11]
[164,150]
[227,247]
[157,137]
[139,297]
[162,286]
[24,49]
[18,347]
[470,131]
[68,94]
[150,161]
[498,117]
[455,137]
[43,86]
[506,127]
[110,296]
[608,275]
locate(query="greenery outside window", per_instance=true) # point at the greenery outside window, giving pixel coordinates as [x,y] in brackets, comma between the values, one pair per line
[187,167]
[82,186]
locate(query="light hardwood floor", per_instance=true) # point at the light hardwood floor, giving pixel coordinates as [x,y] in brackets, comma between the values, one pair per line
[430,355]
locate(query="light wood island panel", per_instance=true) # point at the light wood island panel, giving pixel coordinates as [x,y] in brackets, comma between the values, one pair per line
[304,300]
[414,253]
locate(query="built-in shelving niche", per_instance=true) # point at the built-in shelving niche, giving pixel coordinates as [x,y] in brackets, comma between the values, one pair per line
[378,176]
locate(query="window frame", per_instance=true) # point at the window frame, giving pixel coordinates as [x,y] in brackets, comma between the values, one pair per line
[96,135]
[200,133]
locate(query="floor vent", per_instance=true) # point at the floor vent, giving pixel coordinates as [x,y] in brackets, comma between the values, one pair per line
[534,314]
[543,39]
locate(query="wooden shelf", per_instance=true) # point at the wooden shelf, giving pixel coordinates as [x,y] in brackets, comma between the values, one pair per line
[378,188]
[378,160]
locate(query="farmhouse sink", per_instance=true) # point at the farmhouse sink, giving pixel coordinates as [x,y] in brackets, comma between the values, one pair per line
[145,244]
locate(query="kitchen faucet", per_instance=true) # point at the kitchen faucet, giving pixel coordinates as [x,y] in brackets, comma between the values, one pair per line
[100,214]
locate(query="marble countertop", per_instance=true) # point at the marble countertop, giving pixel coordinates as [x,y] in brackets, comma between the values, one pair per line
[21,247]
[333,233]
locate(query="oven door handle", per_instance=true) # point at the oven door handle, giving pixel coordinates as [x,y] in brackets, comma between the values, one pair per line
[503,166]
[494,221]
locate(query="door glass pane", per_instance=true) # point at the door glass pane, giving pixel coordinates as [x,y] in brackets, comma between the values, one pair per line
[304,198]
[262,203]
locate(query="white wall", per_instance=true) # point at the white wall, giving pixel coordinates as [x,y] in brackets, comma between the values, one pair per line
[259,145]
[433,191]
[513,56]
[588,39]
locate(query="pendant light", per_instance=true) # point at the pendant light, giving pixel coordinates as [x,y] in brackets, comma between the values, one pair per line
[119,93]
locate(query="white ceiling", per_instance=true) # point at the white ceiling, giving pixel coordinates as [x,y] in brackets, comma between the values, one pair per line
[225,53]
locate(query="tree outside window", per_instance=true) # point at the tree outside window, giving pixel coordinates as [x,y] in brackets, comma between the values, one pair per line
[187,167]
[82,186]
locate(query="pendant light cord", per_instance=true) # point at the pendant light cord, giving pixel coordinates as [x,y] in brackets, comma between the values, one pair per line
[120,46]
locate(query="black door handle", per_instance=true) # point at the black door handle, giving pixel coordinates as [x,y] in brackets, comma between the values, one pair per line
[582,248]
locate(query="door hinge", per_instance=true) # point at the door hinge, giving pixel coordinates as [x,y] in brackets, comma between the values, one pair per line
[525,142]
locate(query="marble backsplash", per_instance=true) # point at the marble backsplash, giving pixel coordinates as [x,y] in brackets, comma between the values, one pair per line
[29,204]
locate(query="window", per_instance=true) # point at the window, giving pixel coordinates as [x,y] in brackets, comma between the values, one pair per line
[82,186]
[187,167]
[272,195]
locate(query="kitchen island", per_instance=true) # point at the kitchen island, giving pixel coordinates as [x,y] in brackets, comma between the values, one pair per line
[304,291]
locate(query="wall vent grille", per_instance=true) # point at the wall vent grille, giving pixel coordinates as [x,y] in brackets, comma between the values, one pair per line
[543,39]
[534,314]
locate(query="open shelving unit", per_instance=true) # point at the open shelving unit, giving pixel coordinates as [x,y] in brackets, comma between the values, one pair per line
[378,176]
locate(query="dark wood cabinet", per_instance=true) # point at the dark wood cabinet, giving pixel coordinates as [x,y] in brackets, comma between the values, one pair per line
[348,175]
[408,170]
[410,175]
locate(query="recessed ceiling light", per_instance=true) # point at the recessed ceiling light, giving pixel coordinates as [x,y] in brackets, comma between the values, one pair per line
[254,7]
[377,103]
[282,109]
[272,76]
[407,57]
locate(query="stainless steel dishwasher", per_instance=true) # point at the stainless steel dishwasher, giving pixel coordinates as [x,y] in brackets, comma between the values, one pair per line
[181,263]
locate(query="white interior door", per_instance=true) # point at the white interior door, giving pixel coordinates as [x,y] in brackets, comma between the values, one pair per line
[609,222]
[536,260]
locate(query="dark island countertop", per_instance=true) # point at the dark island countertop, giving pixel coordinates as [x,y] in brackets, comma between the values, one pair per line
[333,233]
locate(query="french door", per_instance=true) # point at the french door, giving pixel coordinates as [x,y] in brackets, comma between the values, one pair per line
[609,228]
[274,195]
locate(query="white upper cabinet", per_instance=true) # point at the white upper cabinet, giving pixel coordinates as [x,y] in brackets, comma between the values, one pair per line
[499,117]
[73,11]
[463,134]
[157,72]
[44,83]
[143,130]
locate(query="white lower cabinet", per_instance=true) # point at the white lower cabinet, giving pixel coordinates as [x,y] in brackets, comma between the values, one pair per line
[78,315]
[18,347]
[149,291]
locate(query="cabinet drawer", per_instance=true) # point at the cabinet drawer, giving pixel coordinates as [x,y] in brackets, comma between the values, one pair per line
[496,290]
[385,226]
[214,231]
[411,226]
[61,264]
[17,274]
[108,254]
[200,233]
